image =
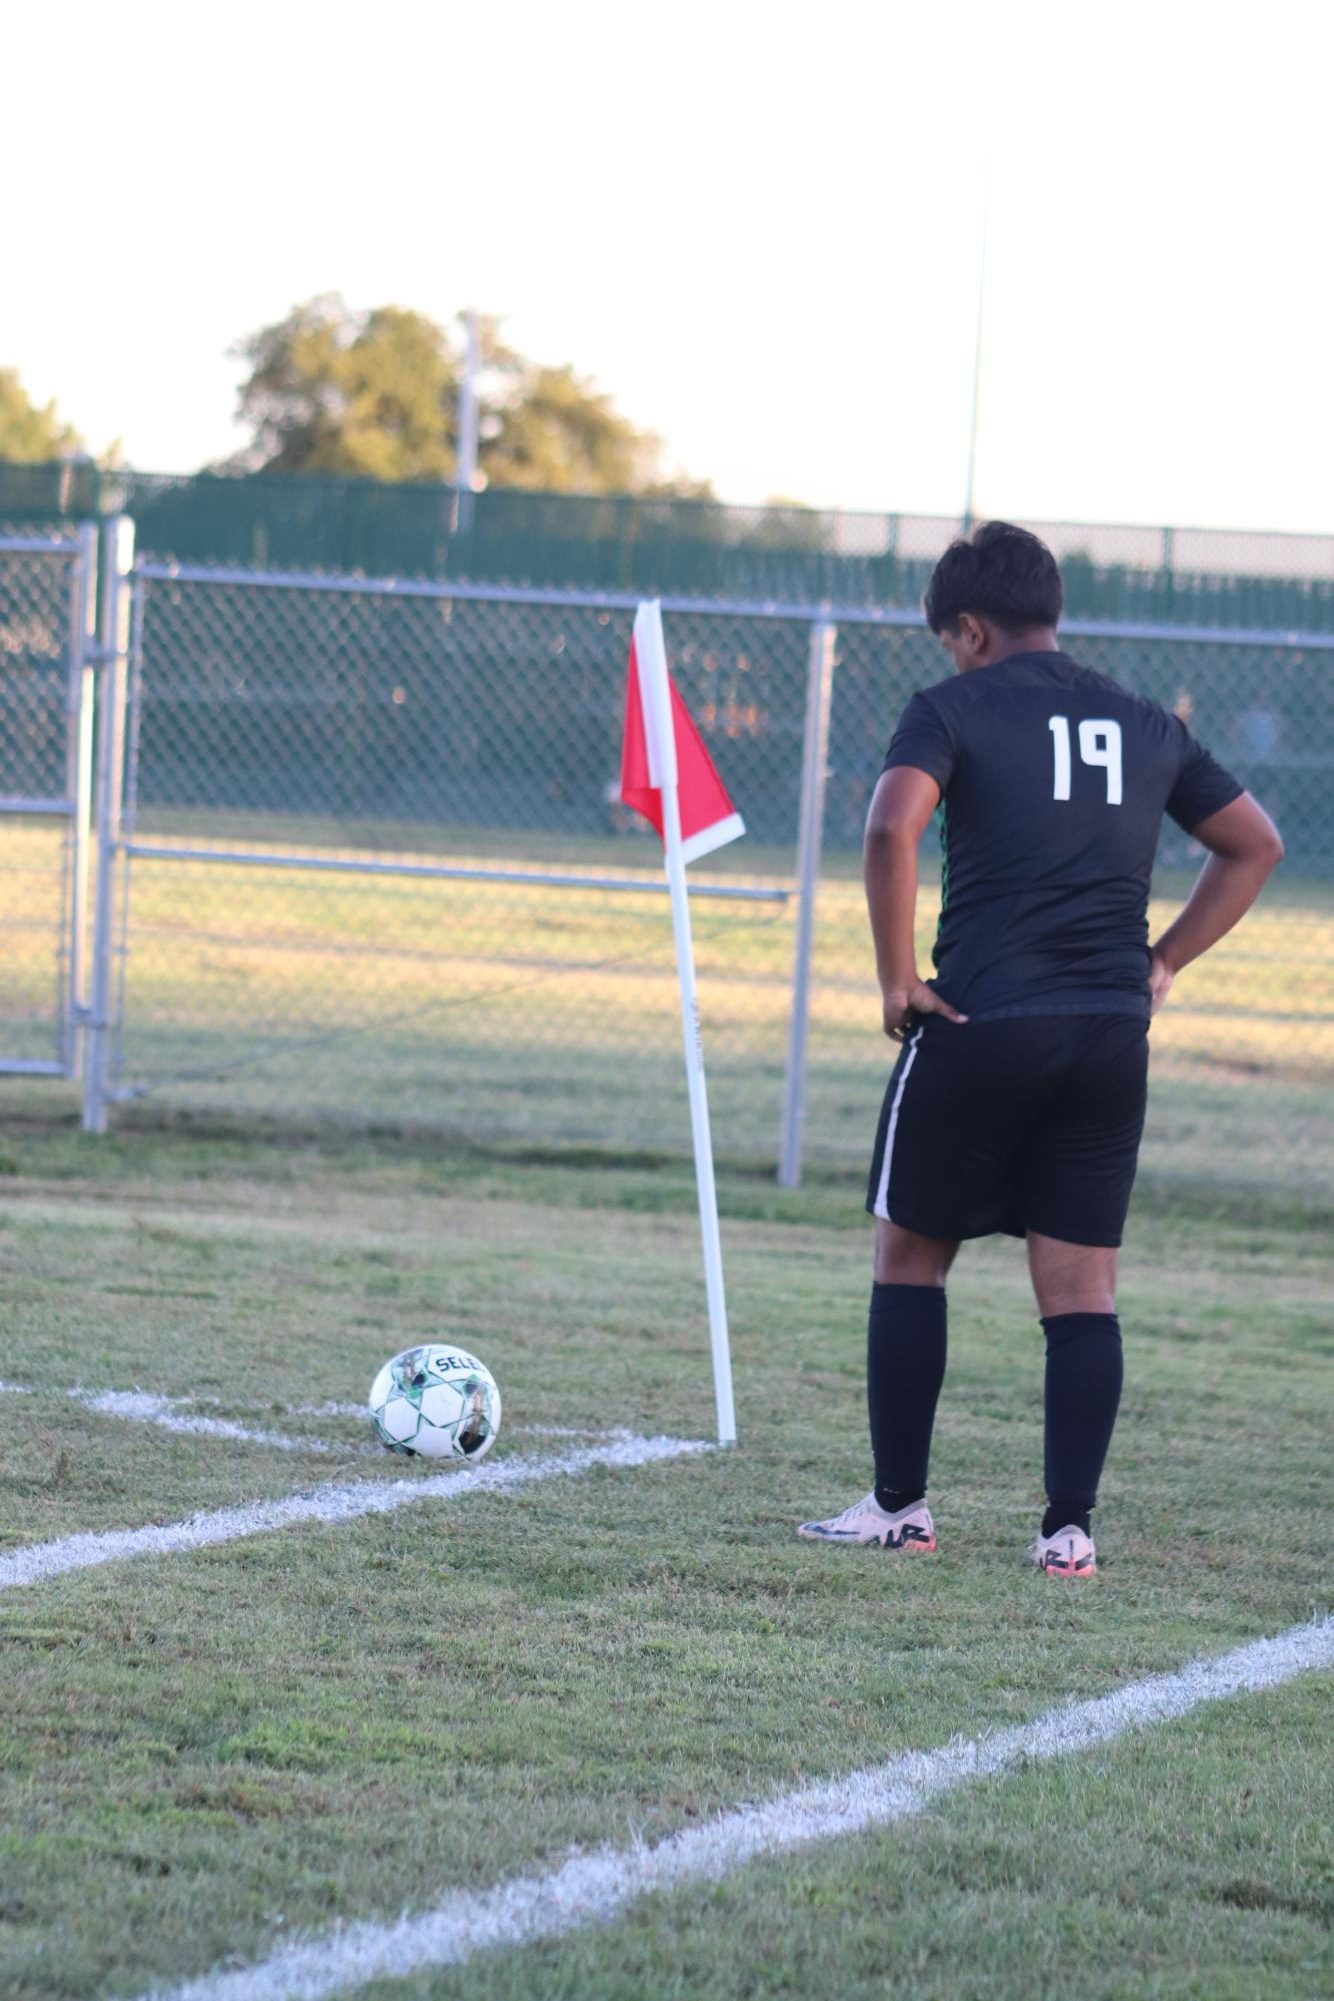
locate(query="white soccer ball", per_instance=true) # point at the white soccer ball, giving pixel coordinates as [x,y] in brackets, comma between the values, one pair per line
[436,1402]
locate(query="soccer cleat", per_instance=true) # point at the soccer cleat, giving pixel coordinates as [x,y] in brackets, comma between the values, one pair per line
[1068,1553]
[866,1521]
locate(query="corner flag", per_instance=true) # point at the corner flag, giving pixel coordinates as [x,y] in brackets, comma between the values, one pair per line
[668,776]
[708,818]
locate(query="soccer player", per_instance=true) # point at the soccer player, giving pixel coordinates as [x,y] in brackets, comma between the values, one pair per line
[1017,1100]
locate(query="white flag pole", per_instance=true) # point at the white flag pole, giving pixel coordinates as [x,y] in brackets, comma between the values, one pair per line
[656,701]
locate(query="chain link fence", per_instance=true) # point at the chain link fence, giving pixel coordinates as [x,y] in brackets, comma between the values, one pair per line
[1243,1054]
[46,583]
[375,862]
[372,867]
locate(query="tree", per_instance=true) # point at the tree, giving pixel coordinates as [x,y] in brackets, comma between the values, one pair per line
[553,432]
[369,394]
[376,394]
[29,434]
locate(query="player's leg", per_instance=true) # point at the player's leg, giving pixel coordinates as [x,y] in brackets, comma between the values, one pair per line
[1071,1278]
[905,1257]
[1077,1173]
[905,1358]
[1075,1286]
[928,1161]
[905,1367]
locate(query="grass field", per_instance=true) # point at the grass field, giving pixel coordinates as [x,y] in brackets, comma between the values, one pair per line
[204,1754]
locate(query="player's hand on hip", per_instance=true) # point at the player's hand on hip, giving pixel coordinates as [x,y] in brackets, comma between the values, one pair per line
[1160,981]
[904,1008]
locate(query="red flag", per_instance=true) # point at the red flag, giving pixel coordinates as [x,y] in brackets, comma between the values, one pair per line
[708,818]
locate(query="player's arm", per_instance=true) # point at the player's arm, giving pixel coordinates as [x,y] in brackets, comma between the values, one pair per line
[901,808]
[1244,849]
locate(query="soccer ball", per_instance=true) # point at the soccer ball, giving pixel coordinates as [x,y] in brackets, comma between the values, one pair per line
[436,1402]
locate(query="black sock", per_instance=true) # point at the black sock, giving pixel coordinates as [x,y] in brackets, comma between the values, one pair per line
[1082,1393]
[905,1366]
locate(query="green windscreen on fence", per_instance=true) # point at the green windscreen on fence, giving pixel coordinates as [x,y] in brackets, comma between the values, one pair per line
[690,548]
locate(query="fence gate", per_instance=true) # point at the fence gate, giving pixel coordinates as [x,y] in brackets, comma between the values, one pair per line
[47,668]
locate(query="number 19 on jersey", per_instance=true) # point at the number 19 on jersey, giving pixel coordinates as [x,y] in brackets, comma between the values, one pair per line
[1099,745]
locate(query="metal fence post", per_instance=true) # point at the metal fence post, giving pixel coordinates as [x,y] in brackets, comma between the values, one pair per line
[814,760]
[112,658]
[79,785]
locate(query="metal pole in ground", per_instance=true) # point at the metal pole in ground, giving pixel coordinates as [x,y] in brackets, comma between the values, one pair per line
[112,659]
[465,471]
[814,762]
[79,786]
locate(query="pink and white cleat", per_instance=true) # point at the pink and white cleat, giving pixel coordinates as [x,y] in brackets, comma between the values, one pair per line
[866,1521]
[1069,1553]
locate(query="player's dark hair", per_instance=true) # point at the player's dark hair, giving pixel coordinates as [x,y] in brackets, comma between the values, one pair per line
[1003,573]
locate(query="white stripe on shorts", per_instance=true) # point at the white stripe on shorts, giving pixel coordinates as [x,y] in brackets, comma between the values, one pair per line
[882,1192]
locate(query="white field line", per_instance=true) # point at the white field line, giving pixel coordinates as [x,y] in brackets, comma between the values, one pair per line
[173,1414]
[143,1408]
[572,1431]
[177,1414]
[335,1409]
[347,1503]
[595,1888]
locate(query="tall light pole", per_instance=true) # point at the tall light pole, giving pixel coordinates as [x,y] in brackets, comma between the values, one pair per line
[970,496]
[465,475]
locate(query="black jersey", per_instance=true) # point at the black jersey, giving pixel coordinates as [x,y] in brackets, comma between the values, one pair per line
[1054,781]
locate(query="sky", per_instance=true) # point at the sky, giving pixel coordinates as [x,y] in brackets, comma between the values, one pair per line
[758,227]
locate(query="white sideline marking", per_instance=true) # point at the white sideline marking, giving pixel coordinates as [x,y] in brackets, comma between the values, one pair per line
[172,1414]
[526,1430]
[175,1414]
[144,1408]
[572,1431]
[327,1504]
[594,1888]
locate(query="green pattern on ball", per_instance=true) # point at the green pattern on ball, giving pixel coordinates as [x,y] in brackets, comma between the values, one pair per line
[435,1401]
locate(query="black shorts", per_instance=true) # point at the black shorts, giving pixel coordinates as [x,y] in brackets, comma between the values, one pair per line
[1031,1123]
